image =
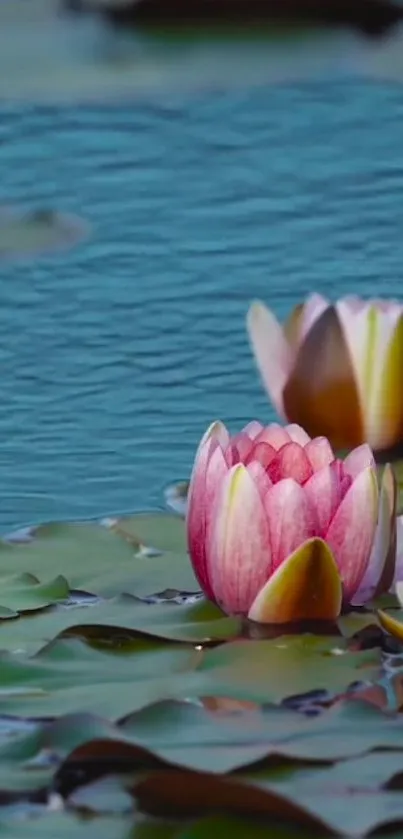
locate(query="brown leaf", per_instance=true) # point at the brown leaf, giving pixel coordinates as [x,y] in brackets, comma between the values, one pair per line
[189,793]
[96,758]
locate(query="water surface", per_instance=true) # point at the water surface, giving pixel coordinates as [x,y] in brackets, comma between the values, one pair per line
[115,355]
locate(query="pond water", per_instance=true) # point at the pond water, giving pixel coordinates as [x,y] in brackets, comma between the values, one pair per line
[115,355]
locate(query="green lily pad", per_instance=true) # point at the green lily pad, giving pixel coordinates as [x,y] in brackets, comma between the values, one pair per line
[189,735]
[118,621]
[162,531]
[37,232]
[68,675]
[25,593]
[269,671]
[101,561]
[65,825]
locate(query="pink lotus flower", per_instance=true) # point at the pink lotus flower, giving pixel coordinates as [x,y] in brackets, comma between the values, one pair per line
[335,369]
[280,530]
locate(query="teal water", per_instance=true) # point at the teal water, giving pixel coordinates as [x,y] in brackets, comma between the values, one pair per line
[115,355]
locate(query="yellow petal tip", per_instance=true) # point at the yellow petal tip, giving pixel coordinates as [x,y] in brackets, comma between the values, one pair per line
[306,586]
[391,625]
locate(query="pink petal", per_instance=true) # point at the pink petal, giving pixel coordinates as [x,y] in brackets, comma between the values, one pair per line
[216,431]
[344,480]
[238,449]
[198,499]
[263,453]
[290,462]
[274,355]
[352,530]
[239,548]
[324,491]
[359,459]
[320,452]
[275,435]
[259,477]
[380,572]
[196,515]
[252,429]
[291,519]
[298,434]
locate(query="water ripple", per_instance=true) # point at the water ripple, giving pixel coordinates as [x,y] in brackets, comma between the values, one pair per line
[115,356]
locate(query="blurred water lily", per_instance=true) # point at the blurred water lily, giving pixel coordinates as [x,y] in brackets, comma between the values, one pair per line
[280,530]
[335,368]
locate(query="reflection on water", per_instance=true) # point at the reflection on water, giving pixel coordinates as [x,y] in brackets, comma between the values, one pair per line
[116,355]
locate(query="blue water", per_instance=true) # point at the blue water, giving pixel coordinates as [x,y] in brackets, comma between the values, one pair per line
[116,355]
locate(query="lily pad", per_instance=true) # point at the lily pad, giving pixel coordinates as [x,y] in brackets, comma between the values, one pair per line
[189,735]
[37,232]
[118,621]
[101,560]
[269,671]
[65,825]
[68,675]
[25,593]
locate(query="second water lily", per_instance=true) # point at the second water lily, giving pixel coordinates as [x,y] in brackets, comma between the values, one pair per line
[280,530]
[335,368]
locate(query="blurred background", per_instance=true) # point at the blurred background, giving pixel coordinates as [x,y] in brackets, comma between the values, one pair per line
[152,182]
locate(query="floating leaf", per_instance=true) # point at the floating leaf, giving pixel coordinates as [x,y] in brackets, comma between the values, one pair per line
[119,620]
[39,232]
[25,593]
[68,675]
[268,671]
[101,561]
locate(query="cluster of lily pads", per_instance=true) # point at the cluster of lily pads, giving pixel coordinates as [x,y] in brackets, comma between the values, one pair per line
[132,704]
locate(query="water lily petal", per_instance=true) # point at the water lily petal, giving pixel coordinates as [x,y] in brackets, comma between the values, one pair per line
[239,547]
[273,353]
[252,429]
[291,519]
[393,626]
[198,500]
[196,516]
[292,326]
[374,335]
[259,477]
[359,459]
[216,431]
[320,452]
[321,391]
[298,434]
[263,453]
[379,575]
[275,435]
[385,424]
[314,307]
[290,461]
[306,586]
[302,317]
[324,491]
[352,530]
[238,449]
[398,576]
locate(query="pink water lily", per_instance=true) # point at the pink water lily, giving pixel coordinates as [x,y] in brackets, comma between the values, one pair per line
[281,530]
[335,368]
